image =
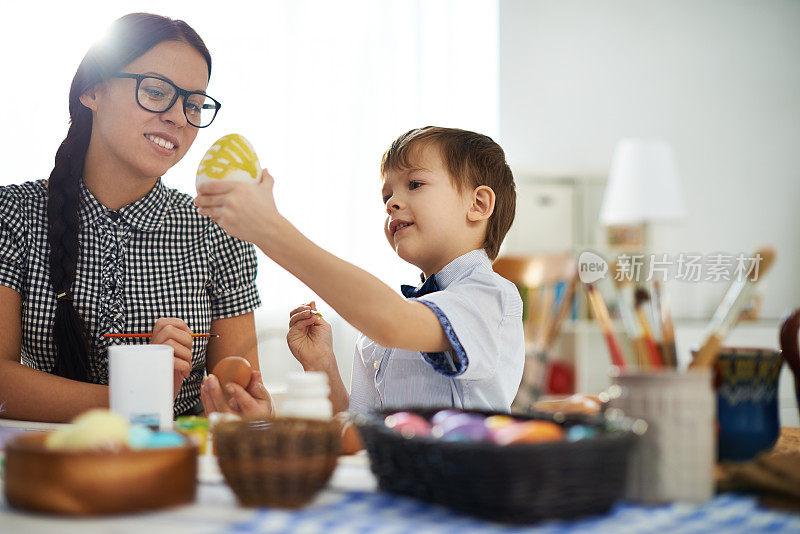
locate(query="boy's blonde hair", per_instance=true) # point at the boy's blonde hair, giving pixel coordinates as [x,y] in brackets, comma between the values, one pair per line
[471,160]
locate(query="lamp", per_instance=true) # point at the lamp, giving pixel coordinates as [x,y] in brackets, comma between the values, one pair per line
[643,188]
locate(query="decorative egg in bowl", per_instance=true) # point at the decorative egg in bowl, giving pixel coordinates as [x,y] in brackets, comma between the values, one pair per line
[90,474]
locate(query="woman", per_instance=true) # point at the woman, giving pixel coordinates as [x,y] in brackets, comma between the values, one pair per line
[104,247]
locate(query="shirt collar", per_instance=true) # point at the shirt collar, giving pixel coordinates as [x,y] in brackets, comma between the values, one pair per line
[466,262]
[146,214]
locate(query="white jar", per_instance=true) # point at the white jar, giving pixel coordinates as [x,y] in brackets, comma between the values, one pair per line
[307,396]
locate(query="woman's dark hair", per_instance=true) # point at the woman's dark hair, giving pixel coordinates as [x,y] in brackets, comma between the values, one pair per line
[128,38]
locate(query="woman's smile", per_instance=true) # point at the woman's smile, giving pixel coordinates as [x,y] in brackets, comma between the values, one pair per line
[162,143]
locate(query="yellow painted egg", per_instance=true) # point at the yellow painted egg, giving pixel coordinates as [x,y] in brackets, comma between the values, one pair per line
[230,158]
[496,422]
[95,429]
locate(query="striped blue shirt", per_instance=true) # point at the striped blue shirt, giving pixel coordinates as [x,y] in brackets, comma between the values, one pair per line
[481,314]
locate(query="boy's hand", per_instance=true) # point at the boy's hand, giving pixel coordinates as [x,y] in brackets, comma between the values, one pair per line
[251,402]
[310,338]
[175,333]
[243,210]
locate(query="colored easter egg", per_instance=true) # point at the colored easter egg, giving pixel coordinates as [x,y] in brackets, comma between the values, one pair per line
[468,431]
[95,429]
[462,427]
[232,369]
[496,422]
[408,424]
[165,439]
[231,157]
[441,415]
[577,403]
[529,432]
[139,436]
[579,432]
[351,439]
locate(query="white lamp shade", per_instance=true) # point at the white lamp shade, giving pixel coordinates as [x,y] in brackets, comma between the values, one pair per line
[643,184]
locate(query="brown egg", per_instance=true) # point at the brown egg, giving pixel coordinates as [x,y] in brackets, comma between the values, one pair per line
[578,403]
[351,440]
[232,369]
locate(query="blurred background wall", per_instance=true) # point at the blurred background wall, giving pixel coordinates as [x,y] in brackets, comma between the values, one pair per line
[719,80]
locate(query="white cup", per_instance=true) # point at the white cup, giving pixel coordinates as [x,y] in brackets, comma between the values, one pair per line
[140,384]
[674,460]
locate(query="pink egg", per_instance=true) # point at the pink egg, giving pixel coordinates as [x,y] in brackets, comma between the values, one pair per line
[408,424]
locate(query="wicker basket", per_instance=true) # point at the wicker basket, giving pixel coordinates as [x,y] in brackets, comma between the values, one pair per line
[280,462]
[519,483]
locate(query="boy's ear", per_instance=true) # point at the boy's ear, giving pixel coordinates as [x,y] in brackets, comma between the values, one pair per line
[482,207]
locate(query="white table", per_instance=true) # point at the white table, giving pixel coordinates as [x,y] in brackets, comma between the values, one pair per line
[351,504]
[215,509]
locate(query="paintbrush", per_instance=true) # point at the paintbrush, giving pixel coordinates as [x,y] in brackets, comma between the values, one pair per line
[653,309]
[738,294]
[641,298]
[560,305]
[629,322]
[668,349]
[601,312]
[147,336]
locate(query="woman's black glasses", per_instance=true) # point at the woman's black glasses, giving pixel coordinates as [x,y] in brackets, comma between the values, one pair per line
[157,95]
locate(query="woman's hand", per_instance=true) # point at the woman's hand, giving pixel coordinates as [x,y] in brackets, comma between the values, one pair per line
[310,338]
[244,210]
[254,401]
[175,333]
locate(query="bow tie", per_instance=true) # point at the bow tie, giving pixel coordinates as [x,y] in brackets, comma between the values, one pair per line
[411,292]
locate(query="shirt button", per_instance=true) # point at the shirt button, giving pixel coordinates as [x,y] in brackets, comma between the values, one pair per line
[376,364]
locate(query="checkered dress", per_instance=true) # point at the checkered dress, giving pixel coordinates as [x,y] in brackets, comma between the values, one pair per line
[154,258]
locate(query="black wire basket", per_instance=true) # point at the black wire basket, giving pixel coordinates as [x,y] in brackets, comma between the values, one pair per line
[519,483]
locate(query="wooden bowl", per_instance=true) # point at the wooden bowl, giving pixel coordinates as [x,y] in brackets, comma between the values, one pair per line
[97,482]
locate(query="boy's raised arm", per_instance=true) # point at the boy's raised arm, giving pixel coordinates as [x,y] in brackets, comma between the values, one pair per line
[248,212]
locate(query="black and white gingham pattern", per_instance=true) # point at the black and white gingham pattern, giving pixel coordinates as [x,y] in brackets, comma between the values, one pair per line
[154,258]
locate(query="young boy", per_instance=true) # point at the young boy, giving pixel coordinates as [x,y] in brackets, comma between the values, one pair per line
[457,339]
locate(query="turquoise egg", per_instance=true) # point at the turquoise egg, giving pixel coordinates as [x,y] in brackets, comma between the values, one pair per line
[165,439]
[139,437]
[579,432]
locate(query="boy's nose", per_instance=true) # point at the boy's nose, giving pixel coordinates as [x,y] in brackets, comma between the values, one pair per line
[392,204]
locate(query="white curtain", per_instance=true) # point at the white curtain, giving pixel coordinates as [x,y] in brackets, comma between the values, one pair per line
[320,88]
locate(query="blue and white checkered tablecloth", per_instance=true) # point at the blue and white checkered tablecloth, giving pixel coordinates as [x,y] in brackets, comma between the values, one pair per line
[351,504]
[362,512]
